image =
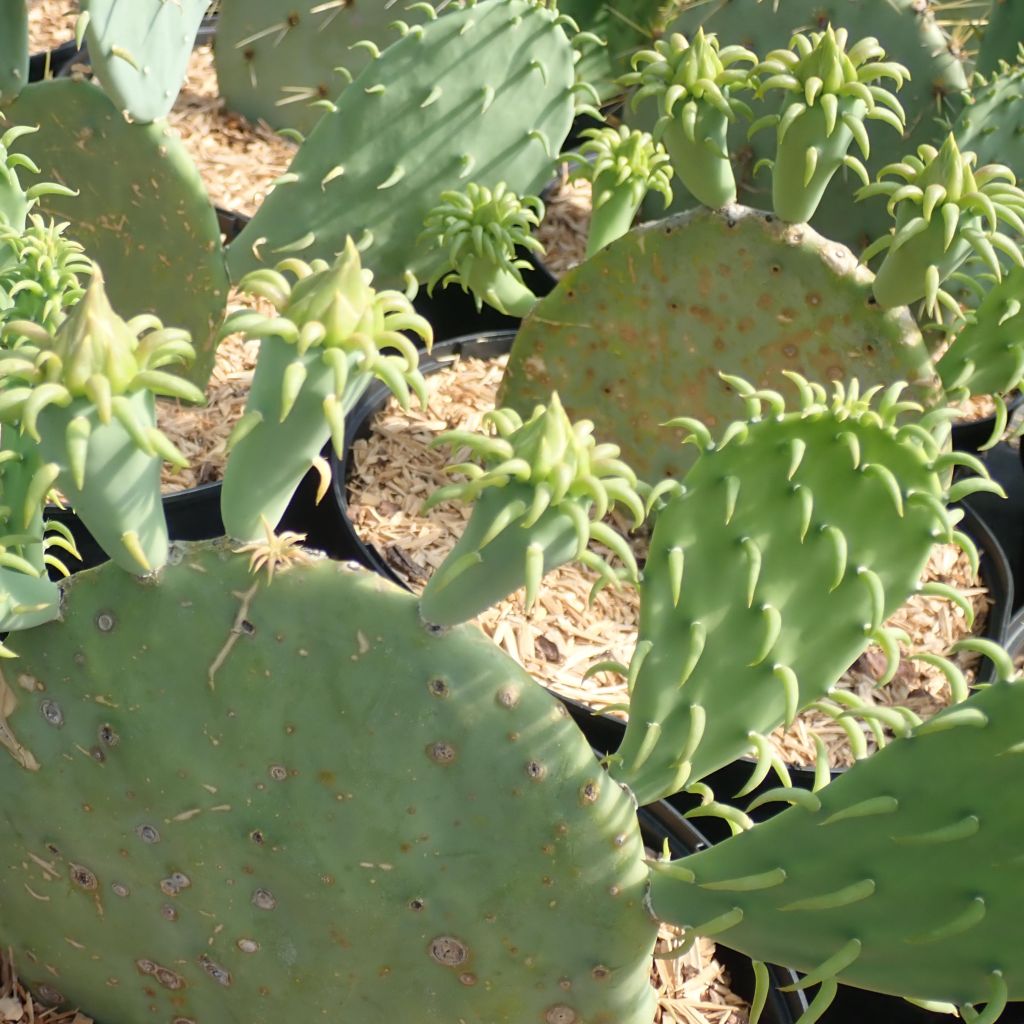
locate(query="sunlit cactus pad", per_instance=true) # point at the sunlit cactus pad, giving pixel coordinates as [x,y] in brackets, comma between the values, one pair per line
[284,802]
[640,332]
[141,211]
[276,58]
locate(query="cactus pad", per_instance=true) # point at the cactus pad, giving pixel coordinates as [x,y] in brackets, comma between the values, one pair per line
[444,847]
[276,58]
[144,216]
[13,49]
[903,876]
[139,49]
[483,94]
[639,333]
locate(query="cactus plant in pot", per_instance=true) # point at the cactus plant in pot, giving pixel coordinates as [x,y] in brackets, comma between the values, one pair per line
[253,868]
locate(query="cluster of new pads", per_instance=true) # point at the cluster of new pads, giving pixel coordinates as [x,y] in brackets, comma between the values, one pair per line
[479,230]
[317,357]
[540,499]
[944,209]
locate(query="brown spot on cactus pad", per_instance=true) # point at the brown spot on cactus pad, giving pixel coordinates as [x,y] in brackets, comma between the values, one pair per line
[448,951]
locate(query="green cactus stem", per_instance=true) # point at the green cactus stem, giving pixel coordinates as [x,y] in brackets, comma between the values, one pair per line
[833,484]
[694,85]
[874,882]
[13,49]
[480,229]
[84,394]
[43,273]
[830,94]
[944,210]
[316,359]
[538,503]
[622,165]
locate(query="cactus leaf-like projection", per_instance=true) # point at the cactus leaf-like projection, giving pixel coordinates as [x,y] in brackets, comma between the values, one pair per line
[694,85]
[84,393]
[735,627]
[42,274]
[623,165]
[480,229]
[944,209]
[545,487]
[830,92]
[858,897]
[316,359]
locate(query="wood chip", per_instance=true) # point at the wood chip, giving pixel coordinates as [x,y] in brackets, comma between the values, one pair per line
[395,470]
[17,1005]
[50,24]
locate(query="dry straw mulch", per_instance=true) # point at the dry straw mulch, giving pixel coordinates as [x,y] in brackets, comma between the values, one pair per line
[395,470]
[51,23]
[17,1006]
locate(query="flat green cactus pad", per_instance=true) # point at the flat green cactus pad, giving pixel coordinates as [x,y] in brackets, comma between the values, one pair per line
[639,333]
[13,48]
[910,868]
[275,57]
[222,798]
[992,123]
[911,36]
[140,50]
[141,211]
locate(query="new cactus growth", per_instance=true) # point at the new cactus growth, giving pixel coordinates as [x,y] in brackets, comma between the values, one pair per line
[540,501]
[84,394]
[831,92]
[695,84]
[944,209]
[480,230]
[622,165]
[317,358]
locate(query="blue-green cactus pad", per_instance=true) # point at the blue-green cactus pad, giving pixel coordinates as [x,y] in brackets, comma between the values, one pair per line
[141,211]
[13,48]
[920,847]
[639,333]
[140,50]
[221,799]
[483,94]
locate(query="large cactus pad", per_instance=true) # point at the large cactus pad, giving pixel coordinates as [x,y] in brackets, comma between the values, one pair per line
[141,211]
[640,332]
[482,94]
[221,797]
[13,48]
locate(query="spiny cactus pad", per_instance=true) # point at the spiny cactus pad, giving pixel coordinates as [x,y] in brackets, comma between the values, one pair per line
[13,49]
[139,49]
[639,333]
[830,485]
[908,30]
[903,876]
[991,124]
[141,211]
[1002,35]
[219,836]
[275,58]
[483,94]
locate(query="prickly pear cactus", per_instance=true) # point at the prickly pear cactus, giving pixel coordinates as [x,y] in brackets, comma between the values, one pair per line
[433,849]
[283,62]
[652,343]
[141,209]
[13,49]
[911,36]
[483,94]
[139,50]
[1002,35]
[992,120]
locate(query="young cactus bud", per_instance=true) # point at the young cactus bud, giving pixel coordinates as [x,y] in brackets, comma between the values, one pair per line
[829,97]
[944,209]
[84,393]
[539,501]
[42,274]
[316,360]
[480,230]
[694,86]
[623,166]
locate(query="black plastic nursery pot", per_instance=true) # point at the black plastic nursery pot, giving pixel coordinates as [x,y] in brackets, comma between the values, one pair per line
[50,63]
